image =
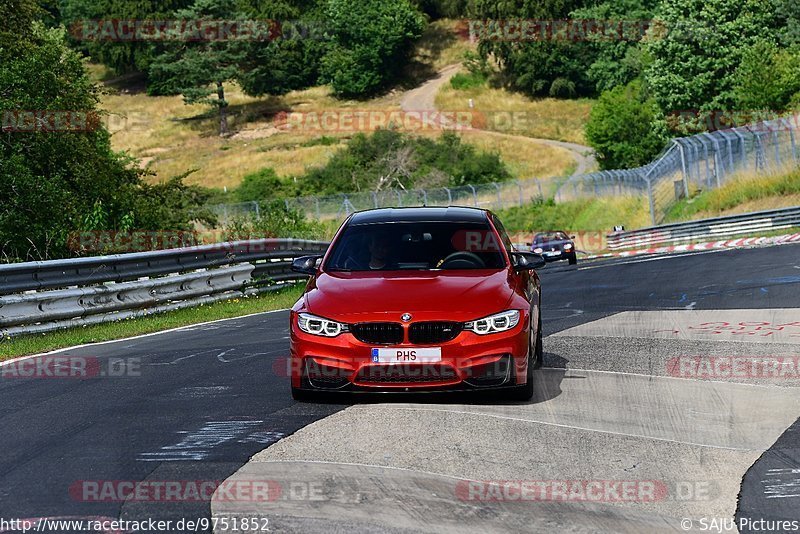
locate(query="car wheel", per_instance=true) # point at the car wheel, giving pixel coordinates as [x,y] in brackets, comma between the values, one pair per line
[538,351]
[573,259]
[525,393]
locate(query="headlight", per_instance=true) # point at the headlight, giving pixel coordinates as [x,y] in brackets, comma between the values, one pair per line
[499,322]
[537,250]
[568,246]
[318,326]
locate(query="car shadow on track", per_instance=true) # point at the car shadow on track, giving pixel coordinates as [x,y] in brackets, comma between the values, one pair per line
[547,386]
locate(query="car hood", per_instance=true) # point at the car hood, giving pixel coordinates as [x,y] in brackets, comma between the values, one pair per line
[369,296]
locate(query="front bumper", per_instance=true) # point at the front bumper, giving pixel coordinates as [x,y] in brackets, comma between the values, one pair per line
[469,362]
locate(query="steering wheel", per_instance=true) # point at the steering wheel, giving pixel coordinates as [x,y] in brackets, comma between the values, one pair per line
[463,260]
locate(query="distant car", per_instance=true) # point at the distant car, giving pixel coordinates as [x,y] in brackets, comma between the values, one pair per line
[554,246]
[418,299]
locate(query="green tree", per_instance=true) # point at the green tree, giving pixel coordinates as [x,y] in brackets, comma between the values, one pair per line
[625,128]
[120,55]
[292,59]
[372,40]
[199,69]
[694,61]
[555,67]
[53,180]
[615,57]
[767,78]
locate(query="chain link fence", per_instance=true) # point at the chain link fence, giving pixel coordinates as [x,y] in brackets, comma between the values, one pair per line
[700,162]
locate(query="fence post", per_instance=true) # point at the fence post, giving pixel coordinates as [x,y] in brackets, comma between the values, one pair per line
[499,199]
[399,198]
[777,148]
[424,197]
[474,195]
[375,199]
[791,139]
[316,205]
[449,196]
[255,205]
[744,147]
[652,202]
[519,188]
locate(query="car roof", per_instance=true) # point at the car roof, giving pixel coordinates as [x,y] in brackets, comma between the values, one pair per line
[420,214]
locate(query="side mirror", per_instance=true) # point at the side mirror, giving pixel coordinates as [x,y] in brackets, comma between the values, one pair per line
[306,265]
[572,237]
[525,261]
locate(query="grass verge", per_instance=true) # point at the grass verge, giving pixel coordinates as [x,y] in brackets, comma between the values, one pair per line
[513,113]
[38,343]
[746,194]
[597,214]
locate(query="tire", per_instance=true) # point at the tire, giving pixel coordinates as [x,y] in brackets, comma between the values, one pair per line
[573,259]
[302,395]
[525,393]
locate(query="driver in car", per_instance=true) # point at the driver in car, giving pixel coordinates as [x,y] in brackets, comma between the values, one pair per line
[379,251]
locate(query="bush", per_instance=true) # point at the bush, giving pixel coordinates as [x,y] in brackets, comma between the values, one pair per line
[274,220]
[467,81]
[387,159]
[625,128]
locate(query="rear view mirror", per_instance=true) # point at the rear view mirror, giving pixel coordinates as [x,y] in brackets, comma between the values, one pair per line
[525,261]
[306,265]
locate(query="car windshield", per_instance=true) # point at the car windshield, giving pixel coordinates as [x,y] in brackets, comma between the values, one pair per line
[551,236]
[416,246]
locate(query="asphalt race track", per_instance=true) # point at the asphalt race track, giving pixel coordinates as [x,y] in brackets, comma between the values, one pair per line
[627,395]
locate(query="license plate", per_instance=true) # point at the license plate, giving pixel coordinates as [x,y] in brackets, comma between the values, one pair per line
[553,253]
[407,355]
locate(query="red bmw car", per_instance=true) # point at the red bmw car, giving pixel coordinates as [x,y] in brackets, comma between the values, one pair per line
[417,300]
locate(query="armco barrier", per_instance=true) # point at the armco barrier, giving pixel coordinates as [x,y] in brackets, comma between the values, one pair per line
[44,296]
[762,221]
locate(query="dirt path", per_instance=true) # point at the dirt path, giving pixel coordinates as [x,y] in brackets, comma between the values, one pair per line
[424,98]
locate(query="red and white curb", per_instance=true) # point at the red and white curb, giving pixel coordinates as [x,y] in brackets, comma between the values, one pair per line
[733,243]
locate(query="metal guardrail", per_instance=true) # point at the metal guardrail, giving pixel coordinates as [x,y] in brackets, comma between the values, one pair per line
[707,228]
[48,295]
